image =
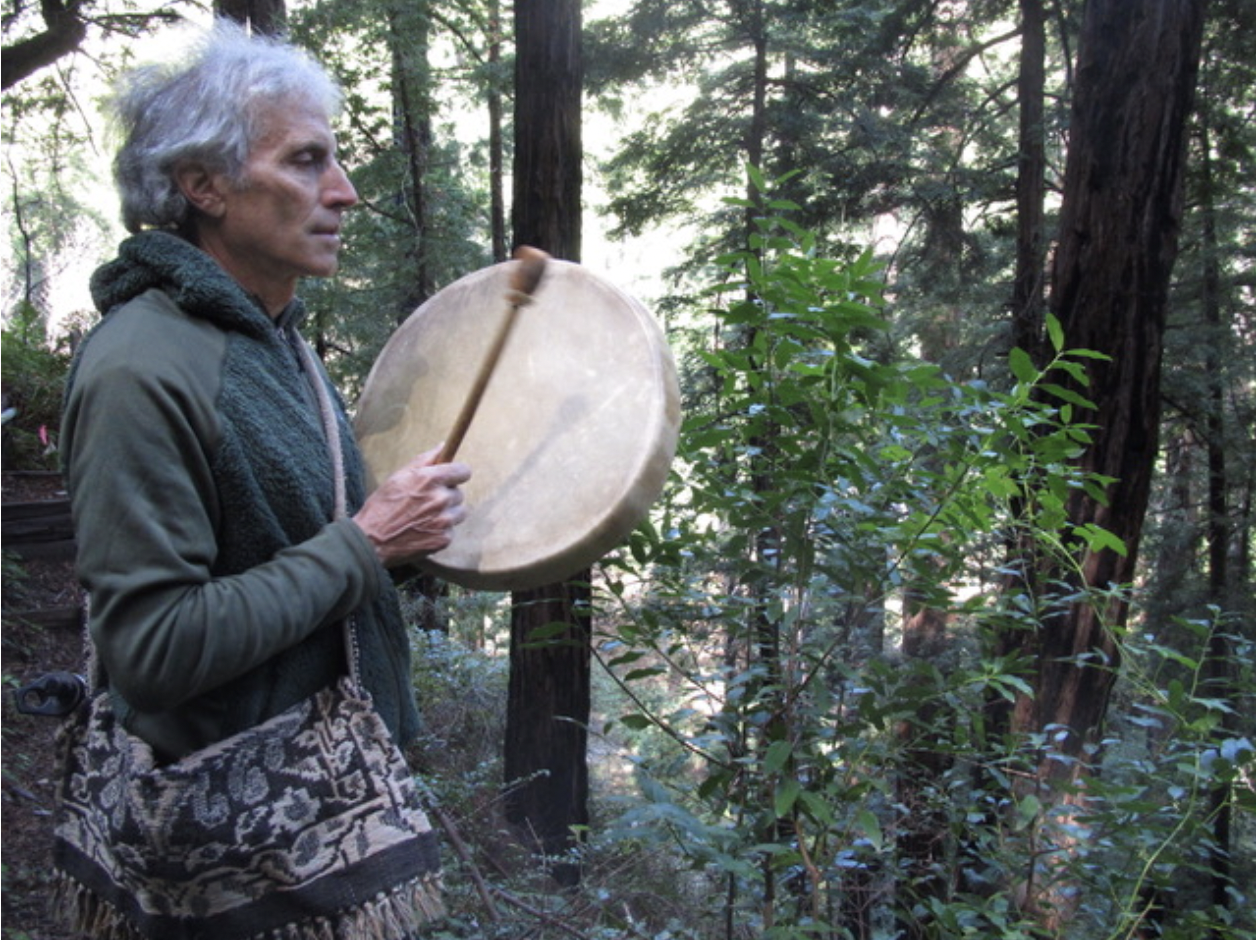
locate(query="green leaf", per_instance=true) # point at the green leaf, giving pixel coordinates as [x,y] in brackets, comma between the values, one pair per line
[629,657]
[786,795]
[778,754]
[1022,366]
[1029,809]
[1099,538]
[867,823]
[817,807]
[1055,332]
[549,634]
[646,673]
[1068,395]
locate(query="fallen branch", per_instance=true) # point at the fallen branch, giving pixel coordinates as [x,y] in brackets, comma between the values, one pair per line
[464,853]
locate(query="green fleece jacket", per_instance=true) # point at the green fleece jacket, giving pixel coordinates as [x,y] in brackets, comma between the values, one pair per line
[202,494]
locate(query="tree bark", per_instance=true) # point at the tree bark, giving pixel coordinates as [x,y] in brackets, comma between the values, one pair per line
[1031,170]
[1220,656]
[549,76]
[1119,227]
[496,147]
[549,701]
[409,27]
[547,717]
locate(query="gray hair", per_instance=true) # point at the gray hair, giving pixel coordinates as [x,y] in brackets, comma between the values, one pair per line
[205,108]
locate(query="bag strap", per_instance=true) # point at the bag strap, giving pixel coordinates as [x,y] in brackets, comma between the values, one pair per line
[331,426]
[331,431]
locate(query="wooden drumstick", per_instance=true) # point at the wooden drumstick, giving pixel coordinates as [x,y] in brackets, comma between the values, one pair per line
[523,283]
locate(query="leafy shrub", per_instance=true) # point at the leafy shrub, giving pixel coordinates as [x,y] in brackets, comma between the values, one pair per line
[34,379]
[828,491]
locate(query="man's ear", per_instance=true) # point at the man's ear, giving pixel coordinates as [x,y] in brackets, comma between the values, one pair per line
[201,188]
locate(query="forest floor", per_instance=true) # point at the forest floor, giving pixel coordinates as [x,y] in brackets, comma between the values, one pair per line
[28,742]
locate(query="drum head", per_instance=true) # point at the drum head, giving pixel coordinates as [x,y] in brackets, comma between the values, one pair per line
[572,440]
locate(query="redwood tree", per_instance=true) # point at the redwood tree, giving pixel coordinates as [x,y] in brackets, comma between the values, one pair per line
[1031,170]
[1118,240]
[549,697]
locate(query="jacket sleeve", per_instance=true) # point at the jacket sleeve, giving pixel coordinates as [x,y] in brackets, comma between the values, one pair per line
[138,436]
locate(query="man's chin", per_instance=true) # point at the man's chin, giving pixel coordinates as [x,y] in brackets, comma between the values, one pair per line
[324,268]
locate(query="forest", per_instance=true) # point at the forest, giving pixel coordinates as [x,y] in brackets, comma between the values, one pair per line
[945,623]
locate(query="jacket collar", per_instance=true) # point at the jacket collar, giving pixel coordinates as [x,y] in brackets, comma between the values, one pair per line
[191,278]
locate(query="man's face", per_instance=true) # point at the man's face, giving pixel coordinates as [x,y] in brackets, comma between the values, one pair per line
[282,220]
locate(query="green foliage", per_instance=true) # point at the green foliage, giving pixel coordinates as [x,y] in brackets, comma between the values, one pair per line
[897,109]
[1145,828]
[54,175]
[422,219]
[34,377]
[829,489]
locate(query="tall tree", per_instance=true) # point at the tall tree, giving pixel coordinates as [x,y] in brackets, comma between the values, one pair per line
[496,148]
[1208,396]
[1219,528]
[1120,217]
[549,697]
[420,223]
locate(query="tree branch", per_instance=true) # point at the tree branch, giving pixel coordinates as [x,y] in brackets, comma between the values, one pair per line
[65,32]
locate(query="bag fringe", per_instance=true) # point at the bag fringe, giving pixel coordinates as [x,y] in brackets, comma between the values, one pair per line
[394,914]
[86,913]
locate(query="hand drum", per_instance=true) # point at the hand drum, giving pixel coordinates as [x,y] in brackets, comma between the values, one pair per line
[571,441]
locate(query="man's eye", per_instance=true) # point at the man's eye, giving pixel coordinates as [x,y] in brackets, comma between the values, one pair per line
[309,158]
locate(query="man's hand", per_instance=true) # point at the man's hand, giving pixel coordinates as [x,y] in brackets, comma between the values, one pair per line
[413,513]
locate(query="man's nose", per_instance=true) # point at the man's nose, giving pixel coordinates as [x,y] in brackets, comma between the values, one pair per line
[339,191]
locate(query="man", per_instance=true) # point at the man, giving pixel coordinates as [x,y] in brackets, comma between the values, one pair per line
[197,459]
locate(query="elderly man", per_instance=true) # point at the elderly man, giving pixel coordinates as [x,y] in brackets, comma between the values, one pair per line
[197,457]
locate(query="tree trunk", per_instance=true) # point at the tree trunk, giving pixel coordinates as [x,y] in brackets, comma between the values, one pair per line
[496,161]
[548,709]
[547,718]
[1218,671]
[1120,215]
[1031,170]
[408,29]
[1118,240]
[268,17]
[546,212]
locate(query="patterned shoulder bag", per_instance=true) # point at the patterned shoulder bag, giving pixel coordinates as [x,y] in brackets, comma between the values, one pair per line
[309,826]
